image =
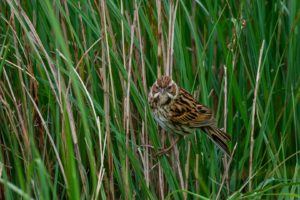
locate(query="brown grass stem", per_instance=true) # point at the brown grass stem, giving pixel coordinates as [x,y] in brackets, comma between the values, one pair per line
[225,123]
[187,165]
[253,114]
[128,97]
[167,68]
[159,39]
[227,168]
[172,40]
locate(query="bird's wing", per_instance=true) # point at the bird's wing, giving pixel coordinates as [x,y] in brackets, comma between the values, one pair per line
[186,110]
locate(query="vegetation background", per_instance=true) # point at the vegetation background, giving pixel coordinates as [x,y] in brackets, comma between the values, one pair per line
[75,75]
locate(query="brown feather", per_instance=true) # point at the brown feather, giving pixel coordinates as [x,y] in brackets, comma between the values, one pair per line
[179,113]
[214,134]
[187,110]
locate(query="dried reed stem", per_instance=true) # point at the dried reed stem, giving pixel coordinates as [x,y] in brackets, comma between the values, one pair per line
[172,41]
[160,170]
[108,57]
[253,114]
[159,39]
[124,55]
[225,123]
[167,71]
[127,98]
[106,101]
[114,47]
[227,168]
[187,170]
[159,49]
[144,123]
[82,28]
[179,167]
[197,175]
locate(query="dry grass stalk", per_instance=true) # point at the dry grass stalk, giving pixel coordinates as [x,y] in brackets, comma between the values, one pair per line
[167,72]
[124,61]
[225,123]
[159,49]
[123,39]
[172,40]
[128,99]
[187,164]
[193,43]
[12,64]
[144,123]
[108,57]
[253,114]
[160,170]
[227,168]
[197,175]
[102,150]
[82,29]
[114,47]
[159,39]
[179,167]
[106,102]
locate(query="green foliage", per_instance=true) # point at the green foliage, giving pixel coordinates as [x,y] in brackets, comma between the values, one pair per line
[56,126]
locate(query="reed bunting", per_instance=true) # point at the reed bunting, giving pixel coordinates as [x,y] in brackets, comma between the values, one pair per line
[179,113]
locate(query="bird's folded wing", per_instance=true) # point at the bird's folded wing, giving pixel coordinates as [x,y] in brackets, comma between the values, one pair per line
[186,110]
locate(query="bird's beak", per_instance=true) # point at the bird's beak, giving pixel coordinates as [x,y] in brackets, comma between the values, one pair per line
[162,91]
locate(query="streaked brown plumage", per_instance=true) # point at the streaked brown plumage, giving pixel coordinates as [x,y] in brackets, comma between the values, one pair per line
[179,113]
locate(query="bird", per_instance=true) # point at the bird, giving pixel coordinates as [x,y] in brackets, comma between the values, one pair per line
[177,112]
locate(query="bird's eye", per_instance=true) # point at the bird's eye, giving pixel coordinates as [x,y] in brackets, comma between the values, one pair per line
[170,87]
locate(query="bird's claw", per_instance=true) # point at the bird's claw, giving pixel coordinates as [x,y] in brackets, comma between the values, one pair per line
[163,152]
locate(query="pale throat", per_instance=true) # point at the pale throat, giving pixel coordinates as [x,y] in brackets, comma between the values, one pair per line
[165,99]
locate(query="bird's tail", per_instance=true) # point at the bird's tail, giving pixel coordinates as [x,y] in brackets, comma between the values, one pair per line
[218,136]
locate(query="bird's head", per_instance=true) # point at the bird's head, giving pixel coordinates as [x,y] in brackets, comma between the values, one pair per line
[164,88]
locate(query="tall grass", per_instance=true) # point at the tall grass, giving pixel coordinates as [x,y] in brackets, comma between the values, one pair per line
[75,76]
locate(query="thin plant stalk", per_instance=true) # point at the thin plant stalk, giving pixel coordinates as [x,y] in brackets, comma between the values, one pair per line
[225,123]
[169,39]
[144,123]
[172,39]
[253,114]
[159,39]
[128,100]
[227,168]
